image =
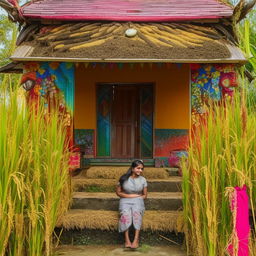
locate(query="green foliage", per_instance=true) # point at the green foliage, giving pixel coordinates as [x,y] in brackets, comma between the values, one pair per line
[8,35]
[247,36]
[34,180]
[144,248]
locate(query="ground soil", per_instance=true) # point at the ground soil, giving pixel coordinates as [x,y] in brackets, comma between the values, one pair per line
[119,251]
[108,237]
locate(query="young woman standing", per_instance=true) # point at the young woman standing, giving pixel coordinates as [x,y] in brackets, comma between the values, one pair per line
[132,190]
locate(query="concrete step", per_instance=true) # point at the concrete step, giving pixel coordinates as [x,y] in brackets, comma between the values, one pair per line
[173,171]
[108,220]
[168,201]
[117,162]
[113,237]
[172,184]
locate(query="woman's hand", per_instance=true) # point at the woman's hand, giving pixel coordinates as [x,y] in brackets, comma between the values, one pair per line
[121,194]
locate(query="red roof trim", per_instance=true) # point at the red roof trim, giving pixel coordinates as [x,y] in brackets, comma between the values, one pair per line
[121,18]
[124,10]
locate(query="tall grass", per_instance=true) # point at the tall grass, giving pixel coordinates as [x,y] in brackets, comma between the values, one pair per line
[34,181]
[247,36]
[222,154]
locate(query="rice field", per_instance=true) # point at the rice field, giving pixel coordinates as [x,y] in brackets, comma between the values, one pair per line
[222,154]
[34,180]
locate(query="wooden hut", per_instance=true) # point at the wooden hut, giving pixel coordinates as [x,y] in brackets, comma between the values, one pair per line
[128,75]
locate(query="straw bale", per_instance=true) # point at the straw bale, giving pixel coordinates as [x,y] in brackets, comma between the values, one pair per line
[108,220]
[114,172]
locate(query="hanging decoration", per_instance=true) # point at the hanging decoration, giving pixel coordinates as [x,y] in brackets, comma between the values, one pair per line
[239,205]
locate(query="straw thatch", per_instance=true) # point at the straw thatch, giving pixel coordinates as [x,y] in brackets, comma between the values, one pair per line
[108,220]
[114,172]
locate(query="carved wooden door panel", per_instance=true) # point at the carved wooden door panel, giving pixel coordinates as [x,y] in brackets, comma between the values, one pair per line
[125,109]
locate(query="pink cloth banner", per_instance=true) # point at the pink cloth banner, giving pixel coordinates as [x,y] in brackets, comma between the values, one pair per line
[239,245]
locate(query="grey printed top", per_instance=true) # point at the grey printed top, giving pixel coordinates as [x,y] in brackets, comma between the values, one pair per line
[134,185]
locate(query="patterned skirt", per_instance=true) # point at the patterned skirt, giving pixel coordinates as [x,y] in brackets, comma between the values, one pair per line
[131,212]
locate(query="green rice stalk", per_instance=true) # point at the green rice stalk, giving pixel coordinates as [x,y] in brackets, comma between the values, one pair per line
[221,154]
[34,180]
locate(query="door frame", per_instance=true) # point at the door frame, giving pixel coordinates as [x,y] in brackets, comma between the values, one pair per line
[135,84]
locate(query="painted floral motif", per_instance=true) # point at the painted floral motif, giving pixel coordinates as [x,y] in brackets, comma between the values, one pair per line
[211,81]
[125,219]
[136,218]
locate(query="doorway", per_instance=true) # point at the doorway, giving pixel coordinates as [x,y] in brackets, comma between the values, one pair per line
[125,121]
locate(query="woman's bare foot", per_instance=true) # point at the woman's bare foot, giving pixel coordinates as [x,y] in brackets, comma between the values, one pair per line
[127,245]
[127,242]
[135,245]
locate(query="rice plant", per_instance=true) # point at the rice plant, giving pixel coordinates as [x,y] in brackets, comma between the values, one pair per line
[222,154]
[34,179]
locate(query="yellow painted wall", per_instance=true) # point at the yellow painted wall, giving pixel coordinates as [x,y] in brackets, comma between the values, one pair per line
[171,92]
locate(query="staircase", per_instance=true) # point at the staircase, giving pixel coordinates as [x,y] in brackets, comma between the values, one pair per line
[95,204]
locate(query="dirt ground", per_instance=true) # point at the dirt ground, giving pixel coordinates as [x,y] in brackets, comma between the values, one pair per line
[112,250]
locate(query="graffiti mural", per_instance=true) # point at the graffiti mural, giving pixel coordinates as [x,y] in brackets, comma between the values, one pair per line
[84,138]
[211,81]
[52,83]
[168,140]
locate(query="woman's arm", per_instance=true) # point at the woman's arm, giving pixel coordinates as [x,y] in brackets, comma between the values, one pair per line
[145,192]
[121,194]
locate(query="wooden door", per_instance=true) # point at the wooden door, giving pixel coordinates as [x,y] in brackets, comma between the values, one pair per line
[125,110]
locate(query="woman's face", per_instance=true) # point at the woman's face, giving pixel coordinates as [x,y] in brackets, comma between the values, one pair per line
[138,170]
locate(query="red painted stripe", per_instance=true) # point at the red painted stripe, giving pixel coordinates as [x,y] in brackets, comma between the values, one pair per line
[122,18]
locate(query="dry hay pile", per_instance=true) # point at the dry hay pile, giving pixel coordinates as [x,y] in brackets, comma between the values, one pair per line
[108,220]
[113,172]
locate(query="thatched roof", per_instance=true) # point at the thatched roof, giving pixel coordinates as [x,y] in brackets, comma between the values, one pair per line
[172,42]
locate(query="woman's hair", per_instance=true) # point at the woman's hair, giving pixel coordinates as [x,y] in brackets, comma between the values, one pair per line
[126,176]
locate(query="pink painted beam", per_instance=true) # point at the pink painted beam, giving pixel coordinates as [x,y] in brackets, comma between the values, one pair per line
[127,10]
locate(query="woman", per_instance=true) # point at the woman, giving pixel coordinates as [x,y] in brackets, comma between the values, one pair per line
[132,190]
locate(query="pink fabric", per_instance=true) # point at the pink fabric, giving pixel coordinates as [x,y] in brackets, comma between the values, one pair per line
[240,204]
[174,160]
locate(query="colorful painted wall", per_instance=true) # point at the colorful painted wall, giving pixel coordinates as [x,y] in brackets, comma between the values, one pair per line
[172,103]
[53,84]
[210,82]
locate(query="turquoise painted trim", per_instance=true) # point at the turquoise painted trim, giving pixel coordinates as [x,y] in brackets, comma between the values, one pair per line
[146,122]
[104,121]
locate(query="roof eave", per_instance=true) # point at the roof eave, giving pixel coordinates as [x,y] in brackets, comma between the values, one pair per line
[132,60]
[11,68]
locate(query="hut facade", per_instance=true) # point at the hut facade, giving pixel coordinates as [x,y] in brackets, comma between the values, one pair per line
[128,75]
